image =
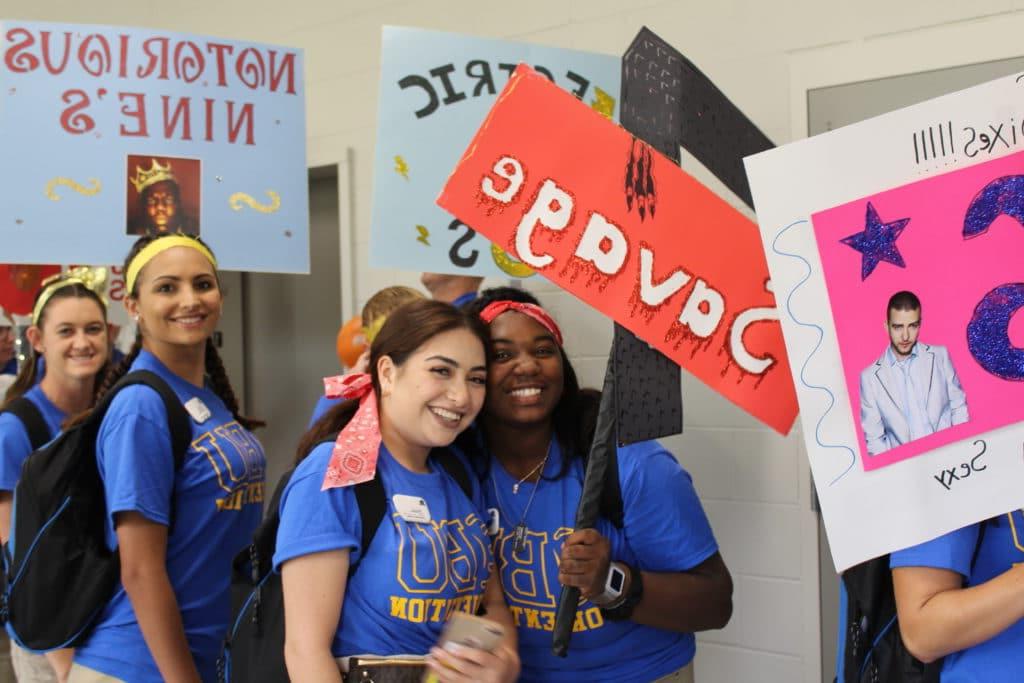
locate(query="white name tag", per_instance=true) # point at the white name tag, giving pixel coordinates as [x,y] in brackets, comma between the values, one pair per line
[411,508]
[493,521]
[198,410]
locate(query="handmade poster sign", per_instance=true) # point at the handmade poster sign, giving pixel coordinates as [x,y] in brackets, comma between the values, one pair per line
[670,104]
[435,90]
[900,278]
[134,131]
[644,245]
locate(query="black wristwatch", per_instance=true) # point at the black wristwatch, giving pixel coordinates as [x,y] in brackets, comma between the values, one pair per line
[624,610]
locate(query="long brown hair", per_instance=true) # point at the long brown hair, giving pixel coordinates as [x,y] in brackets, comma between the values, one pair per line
[28,374]
[215,373]
[407,329]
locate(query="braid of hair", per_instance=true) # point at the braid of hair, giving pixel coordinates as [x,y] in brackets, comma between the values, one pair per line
[222,387]
[116,372]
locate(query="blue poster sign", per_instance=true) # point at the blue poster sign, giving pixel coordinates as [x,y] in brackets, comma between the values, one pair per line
[109,133]
[436,88]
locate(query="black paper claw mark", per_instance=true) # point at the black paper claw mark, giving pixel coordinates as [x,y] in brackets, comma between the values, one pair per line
[640,186]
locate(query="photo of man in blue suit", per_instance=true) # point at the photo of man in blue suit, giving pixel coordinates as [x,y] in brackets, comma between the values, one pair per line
[912,390]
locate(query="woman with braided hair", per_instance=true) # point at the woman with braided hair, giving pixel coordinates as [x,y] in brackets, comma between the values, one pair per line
[177,528]
[68,331]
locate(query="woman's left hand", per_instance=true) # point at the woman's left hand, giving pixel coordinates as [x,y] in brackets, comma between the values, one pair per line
[459,664]
[584,562]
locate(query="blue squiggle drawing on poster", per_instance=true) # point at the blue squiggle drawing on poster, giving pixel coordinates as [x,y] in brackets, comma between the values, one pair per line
[821,337]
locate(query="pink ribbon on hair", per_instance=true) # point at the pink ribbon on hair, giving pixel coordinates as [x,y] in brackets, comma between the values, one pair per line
[496,308]
[354,457]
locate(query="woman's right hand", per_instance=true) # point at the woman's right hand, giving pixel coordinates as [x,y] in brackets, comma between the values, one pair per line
[456,663]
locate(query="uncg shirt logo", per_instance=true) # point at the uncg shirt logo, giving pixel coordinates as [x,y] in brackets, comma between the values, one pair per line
[442,567]
[238,463]
[530,578]
[1017,532]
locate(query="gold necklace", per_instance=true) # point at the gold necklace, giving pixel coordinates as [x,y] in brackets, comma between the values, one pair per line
[538,466]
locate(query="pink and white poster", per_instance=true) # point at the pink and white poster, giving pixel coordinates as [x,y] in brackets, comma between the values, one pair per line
[899,279]
[945,241]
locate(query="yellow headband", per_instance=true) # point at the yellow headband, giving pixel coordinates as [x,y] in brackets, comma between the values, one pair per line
[93,279]
[371,332]
[158,246]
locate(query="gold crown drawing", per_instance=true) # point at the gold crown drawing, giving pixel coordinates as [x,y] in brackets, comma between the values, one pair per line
[154,175]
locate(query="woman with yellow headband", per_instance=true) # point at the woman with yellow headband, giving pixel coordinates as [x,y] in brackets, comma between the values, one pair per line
[69,332]
[176,530]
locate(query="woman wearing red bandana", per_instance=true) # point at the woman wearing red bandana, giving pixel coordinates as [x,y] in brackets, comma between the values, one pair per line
[430,555]
[646,585]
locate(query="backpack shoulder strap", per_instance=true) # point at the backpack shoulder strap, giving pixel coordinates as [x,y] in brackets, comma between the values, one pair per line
[981,539]
[178,421]
[373,505]
[31,417]
[372,502]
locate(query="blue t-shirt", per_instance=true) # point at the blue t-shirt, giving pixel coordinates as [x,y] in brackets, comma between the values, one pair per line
[217,504]
[464,299]
[665,530]
[997,660]
[14,442]
[10,367]
[414,574]
[322,406]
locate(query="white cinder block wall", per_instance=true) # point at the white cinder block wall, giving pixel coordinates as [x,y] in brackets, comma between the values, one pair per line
[754,484]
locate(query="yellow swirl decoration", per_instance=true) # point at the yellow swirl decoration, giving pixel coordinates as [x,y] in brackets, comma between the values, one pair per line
[508,264]
[603,103]
[51,187]
[240,199]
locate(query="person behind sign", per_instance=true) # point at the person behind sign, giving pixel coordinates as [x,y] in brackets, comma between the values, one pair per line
[428,374]
[176,529]
[8,358]
[649,585]
[69,330]
[912,390]
[457,290]
[373,315]
[961,596]
[160,209]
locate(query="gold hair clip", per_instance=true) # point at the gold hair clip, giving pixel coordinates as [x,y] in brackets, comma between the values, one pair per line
[93,279]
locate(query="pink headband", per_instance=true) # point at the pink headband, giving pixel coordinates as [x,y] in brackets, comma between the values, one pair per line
[354,458]
[496,308]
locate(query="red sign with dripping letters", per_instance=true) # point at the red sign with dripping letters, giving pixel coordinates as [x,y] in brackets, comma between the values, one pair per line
[602,215]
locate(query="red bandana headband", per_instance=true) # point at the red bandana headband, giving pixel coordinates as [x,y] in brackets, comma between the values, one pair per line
[354,458]
[496,308]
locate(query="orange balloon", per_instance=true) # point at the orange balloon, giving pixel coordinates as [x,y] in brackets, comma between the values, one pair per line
[351,342]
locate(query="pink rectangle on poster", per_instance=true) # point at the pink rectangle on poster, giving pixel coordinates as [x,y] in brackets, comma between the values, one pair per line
[948,272]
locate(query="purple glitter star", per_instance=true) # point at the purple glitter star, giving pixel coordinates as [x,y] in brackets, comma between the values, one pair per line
[877,242]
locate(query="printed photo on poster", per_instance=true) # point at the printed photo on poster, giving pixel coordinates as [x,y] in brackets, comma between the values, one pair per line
[921,283]
[162,195]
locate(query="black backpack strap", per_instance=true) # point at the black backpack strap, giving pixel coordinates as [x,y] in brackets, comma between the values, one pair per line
[179,423]
[373,505]
[31,417]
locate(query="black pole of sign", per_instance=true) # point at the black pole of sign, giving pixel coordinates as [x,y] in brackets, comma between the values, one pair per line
[667,103]
[586,513]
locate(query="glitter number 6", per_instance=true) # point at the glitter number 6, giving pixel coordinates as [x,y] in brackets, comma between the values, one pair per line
[988,334]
